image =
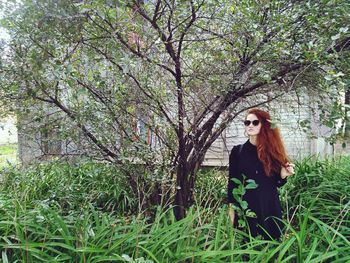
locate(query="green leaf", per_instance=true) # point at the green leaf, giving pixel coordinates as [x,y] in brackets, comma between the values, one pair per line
[244,205]
[4,256]
[237,181]
[251,185]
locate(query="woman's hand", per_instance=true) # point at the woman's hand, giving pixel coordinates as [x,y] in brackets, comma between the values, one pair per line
[287,170]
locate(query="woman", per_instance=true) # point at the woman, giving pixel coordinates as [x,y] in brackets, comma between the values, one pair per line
[262,158]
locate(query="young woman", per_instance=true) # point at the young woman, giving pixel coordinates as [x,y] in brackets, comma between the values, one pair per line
[262,158]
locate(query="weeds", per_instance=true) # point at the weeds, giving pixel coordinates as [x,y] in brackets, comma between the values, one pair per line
[61,213]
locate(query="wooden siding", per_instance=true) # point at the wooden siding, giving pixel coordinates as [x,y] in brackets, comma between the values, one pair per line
[297,142]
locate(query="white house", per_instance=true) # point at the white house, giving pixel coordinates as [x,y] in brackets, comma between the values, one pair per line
[289,113]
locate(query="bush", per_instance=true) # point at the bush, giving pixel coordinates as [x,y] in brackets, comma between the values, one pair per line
[321,186]
[71,187]
[54,213]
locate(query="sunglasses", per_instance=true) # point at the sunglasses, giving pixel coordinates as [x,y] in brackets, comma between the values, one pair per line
[255,122]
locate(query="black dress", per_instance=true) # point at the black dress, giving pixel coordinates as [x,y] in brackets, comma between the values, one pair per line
[263,200]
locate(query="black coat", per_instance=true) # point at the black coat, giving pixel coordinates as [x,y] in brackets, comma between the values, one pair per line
[263,200]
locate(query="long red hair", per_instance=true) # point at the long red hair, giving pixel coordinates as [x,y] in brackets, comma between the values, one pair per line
[270,148]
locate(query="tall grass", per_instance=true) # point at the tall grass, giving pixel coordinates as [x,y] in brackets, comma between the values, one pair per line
[322,186]
[8,155]
[71,187]
[35,227]
[43,235]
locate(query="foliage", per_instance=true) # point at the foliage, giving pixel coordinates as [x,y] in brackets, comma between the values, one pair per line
[210,188]
[8,149]
[8,154]
[157,81]
[241,209]
[33,230]
[320,186]
[70,187]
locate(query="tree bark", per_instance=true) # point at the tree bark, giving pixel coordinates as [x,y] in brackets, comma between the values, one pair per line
[183,193]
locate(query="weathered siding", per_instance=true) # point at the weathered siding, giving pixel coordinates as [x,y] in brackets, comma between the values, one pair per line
[287,113]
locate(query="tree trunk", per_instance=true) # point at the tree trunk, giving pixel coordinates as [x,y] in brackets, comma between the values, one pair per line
[183,191]
[185,179]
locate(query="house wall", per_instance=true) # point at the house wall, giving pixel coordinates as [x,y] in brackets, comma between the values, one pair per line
[29,148]
[8,131]
[297,143]
[288,112]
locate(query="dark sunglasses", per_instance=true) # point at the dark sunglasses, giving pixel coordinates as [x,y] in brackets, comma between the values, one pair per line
[255,122]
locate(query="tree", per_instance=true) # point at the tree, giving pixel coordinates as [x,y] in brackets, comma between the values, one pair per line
[184,69]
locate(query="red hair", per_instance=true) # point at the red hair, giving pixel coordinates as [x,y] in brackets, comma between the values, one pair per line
[270,148]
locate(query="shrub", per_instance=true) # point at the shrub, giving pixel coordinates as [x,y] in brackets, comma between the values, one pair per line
[52,213]
[71,187]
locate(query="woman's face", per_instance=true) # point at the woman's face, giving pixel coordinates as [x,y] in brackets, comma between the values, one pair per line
[252,125]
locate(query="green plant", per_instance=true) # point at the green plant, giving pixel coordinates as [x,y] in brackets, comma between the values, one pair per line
[8,155]
[33,230]
[241,208]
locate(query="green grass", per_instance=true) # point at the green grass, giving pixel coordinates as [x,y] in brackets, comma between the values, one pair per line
[8,154]
[8,149]
[88,213]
